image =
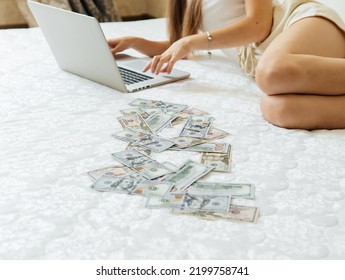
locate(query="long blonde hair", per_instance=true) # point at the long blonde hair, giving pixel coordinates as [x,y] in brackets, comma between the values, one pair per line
[184,18]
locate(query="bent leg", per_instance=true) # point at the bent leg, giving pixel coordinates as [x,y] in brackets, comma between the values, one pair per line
[304,111]
[307,58]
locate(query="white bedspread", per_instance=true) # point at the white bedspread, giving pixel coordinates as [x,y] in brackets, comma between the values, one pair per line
[56,126]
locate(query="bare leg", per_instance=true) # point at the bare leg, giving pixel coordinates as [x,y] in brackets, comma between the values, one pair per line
[303,75]
[304,111]
[306,58]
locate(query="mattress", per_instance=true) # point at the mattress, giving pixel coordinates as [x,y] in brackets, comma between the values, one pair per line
[55,127]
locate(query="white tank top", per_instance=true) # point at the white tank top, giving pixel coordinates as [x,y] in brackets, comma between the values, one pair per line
[219,13]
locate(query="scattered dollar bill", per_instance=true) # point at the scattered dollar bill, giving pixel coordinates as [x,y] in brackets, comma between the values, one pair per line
[132,111]
[144,165]
[187,174]
[182,142]
[122,184]
[236,213]
[140,102]
[154,143]
[184,115]
[209,203]
[220,162]
[158,121]
[152,188]
[129,135]
[141,149]
[210,148]
[197,126]
[135,122]
[116,170]
[215,133]
[236,190]
[168,201]
[167,106]
[146,140]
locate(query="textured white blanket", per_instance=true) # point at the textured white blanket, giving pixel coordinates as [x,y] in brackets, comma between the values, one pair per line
[56,126]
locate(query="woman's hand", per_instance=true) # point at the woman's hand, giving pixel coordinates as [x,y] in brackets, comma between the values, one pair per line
[166,61]
[120,44]
[146,47]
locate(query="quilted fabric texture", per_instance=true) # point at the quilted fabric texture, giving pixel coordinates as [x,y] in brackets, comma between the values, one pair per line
[55,127]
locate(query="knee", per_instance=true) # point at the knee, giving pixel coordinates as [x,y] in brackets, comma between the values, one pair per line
[279,110]
[276,74]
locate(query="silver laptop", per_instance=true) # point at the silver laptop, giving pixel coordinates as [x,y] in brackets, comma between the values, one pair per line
[80,47]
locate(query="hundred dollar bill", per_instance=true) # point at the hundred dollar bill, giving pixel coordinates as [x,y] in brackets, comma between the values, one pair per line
[152,188]
[209,203]
[236,190]
[220,162]
[135,122]
[144,165]
[167,106]
[197,126]
[149,141]
[132,111]
[140,102]
[210,148]
[184,115]
[236,213]
[187,174]
[116,170]
[182,142]
[122,184]
[129,135]
[168,201]
[154,143]
[141,149]
[158,121]
[215,133]
[171,107]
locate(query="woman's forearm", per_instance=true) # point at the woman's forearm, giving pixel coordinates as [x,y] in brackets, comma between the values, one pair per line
[149,48]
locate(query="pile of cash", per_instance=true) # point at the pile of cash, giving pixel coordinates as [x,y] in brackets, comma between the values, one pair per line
[164,184]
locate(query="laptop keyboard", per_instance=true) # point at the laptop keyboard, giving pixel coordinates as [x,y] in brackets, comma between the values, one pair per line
[131,77]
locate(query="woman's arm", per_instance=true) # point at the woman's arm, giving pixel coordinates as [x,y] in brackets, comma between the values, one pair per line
[254,27]
[147,47]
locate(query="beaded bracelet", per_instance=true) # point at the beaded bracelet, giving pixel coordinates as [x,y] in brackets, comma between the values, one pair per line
[209,39]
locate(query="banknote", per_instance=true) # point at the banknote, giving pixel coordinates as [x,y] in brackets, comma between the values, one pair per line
[220,162]
[209,203]
[184,115]
[135,122]
[119,184]
[116,170]
[187,174]
[236,190]
[168,201]
[146,140]
[154,143]
[141,102]
[157,121]
[215,133]
[237,213]
[152,188]
[197,126]
[182,142]
[210,148]
[144,165]
[141,149]
[171,107]
[167,106]
[129,135]
[132,111]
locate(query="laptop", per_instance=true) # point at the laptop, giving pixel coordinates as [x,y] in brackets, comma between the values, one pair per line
[80,47]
